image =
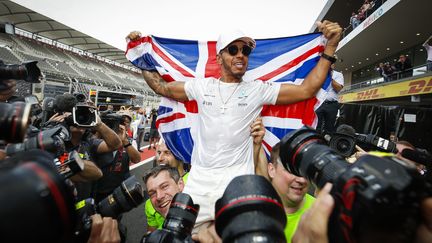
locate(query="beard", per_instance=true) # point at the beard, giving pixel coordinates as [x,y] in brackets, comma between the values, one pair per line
[228,71]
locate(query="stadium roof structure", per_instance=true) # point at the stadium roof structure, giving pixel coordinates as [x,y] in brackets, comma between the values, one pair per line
[26,19]
[404,25]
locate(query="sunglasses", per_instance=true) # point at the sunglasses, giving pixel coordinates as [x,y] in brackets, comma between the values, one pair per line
[233,50]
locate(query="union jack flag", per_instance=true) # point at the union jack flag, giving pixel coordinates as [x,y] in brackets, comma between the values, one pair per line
[287,59]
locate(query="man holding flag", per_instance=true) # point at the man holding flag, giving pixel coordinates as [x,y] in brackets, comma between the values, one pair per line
[223,146]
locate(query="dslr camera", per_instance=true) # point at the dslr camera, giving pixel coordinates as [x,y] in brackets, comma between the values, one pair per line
[124,198]
[376,198]
[111,119]
[179,222]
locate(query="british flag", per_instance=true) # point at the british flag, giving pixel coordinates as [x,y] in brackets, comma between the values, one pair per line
[287,59]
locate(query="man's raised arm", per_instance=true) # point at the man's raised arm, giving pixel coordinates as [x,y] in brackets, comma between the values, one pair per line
[290,93]
[174,90]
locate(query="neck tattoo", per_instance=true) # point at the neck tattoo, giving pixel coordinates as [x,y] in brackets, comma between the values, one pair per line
[223,106]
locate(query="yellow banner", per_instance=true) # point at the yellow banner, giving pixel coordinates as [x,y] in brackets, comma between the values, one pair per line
[92,92]
[410,87]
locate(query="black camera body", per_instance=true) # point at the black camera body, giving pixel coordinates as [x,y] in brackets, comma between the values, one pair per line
[179,222]
[111,119]
[376,198]
[50,140]
[125,197]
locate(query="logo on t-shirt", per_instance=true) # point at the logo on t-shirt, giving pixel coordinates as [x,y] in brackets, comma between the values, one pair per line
[208,103]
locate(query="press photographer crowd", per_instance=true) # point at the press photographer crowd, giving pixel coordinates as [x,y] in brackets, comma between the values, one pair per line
[65,176]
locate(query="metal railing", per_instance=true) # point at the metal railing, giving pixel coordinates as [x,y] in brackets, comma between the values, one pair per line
[376,4]
[396,76]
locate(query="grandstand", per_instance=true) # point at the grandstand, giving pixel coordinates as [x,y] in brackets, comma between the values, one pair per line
[370,103]
[71,61]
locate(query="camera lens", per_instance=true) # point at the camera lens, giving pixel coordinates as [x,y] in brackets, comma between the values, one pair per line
[305,153]
[343,144]
[125,197]
[35,189]
[376,198]
[181,215]
[84,115]
[250,210]
[14,120]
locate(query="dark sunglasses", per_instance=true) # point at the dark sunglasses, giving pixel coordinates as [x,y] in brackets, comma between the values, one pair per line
[233,50]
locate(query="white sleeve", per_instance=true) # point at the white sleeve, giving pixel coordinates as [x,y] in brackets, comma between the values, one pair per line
[191,88]
[269,91]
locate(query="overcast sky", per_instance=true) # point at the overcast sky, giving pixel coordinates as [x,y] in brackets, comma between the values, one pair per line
[111,20]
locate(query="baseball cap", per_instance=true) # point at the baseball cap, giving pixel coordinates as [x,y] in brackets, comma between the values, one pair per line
[227,38]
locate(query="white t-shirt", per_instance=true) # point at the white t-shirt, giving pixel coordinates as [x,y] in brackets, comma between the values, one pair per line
[223,139]
[223,147]
[331,93]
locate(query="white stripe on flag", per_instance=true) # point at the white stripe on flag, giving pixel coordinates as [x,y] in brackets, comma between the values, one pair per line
[177,124]
[138,51]
[202,59]
[291,123]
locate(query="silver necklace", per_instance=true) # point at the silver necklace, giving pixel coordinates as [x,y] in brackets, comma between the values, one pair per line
[224,107]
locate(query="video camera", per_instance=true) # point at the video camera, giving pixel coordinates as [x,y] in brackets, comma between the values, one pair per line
[345,139]
[179,222]
[376,198]
[83,114]
[125,197]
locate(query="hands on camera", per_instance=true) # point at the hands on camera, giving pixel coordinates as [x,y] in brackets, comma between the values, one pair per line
[104,230]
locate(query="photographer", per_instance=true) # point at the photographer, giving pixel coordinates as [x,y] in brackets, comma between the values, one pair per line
[320,211]
[90,149]
[154,134]
[293,191]
[163,157]
[117,170]
[162,183]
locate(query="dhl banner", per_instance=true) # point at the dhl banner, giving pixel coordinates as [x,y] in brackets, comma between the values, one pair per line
[92,92]
[412,87]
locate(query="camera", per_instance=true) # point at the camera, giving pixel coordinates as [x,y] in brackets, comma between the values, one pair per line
[376,198]
[111,119]
[35,198]
[345,139]
[14,120]
[179,222]
[83,114]
[250,210]
[50,140]
[125,197]
[28,71]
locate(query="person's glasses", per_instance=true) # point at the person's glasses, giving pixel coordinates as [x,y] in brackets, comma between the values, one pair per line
[233,50]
